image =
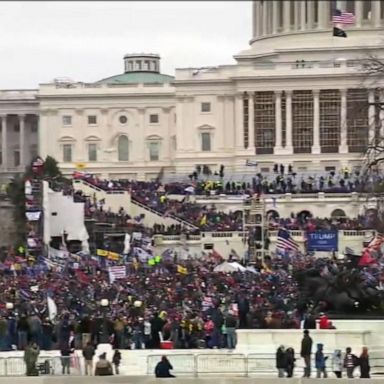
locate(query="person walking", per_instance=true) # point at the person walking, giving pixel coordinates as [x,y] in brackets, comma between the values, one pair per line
[281,361]
[116,359]
[337,363]
[320,362]
[305,353]
[88,354]
[350,362]
[163,367]
[290,359]
[364,364]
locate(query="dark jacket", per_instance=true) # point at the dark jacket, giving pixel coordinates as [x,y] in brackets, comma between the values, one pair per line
[364,367]
[320,359]
[306,346]
[230,321]
[162,369]
[88,352]
[116,358]
[281,359]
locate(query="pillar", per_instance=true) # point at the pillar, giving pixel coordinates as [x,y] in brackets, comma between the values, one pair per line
[371,116]
[259,24]
[278,122]
[286,16]
[275,16]
[296,19]
[254,19]
[251,123]
[303,7]
[316,122]
[239,126]
[288,101]
[381,115]
[343,148]
[4,146]
[265,18]
[376,13]
[358,13]
[311,14]
[22,140]
[322,12]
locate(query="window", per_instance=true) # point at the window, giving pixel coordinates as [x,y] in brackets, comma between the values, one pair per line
[264,123]
[34,127]
[92,152]
[245,119]
[205,107]
[16,158]
[302,121]
[123,148]
[153,119]
[154,149]
[330,109]
[33,151]
[205,141]
[92,120]
[67,153]
[123,119]
[67,120]
[16,127]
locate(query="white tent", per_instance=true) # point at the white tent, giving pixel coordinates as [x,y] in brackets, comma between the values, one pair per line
[229,267]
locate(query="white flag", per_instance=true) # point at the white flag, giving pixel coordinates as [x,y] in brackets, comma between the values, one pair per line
[52,308]
[127,243]
[117,272]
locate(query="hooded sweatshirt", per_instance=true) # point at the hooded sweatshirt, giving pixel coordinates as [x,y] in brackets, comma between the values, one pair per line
[319,357]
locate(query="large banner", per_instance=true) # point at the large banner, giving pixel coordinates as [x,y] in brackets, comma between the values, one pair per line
[325,241]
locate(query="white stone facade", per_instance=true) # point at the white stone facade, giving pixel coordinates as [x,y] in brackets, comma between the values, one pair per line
[298,95]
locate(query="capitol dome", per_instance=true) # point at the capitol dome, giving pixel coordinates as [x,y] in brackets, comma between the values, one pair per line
[286,27]
[143,68]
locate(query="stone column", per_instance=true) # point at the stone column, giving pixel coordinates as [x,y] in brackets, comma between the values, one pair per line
[275,16]
[4,146]
[381,115]
[135,153]
[376,13]
[358,13]
[316,122]
[288,114]
[303,6]
[311,14]
[265,18]
[259,24]
[278,122]
[343,148]
[22,140]
[286,16]
[371,116]
[296,13]
[322,9]
[251,123]
[239,118]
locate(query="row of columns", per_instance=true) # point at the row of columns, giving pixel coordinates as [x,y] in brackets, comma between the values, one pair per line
[266,20]
[288,148]
[4,140]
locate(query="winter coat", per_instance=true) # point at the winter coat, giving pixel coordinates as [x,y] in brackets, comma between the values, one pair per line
[162,369]
[320,359]
[364,367]
[103,368]
[306,346]
[89,352]
[337,361]
[281,359]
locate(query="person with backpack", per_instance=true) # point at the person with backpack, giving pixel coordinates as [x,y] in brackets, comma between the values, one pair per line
[350,362]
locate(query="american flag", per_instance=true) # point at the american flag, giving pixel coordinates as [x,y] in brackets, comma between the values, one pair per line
[376,242]
[342,17]
[285,241]
[117,272]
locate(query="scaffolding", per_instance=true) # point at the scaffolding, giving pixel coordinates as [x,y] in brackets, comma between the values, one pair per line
[254,224]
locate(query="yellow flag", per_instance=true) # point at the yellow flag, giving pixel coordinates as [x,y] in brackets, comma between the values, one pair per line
[203,220]
[182,270]
[102,252]
[113,256]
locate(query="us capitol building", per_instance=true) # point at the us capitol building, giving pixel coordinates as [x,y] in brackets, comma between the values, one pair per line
[297,96]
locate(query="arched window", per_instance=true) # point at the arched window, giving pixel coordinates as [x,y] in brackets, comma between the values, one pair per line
[337,213]
[123,148]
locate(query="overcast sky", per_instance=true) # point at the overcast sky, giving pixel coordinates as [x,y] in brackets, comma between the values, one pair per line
[86,41]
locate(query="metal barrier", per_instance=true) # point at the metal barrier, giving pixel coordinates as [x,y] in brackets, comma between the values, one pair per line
[46,365]
[237,364]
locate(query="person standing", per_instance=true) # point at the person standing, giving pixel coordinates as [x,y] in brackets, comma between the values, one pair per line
[364,364]
[281,361]
[320,362]
[337,363]
[116,359]
[88,354]
[305,353]
[65,353]
[31,354]
[230,323]
[290,358]
[350,362]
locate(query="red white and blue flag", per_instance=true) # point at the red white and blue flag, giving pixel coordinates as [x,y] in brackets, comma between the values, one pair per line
[285,241]
[342,17]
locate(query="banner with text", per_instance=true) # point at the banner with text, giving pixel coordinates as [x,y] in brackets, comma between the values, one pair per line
[322,241]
